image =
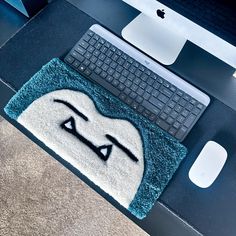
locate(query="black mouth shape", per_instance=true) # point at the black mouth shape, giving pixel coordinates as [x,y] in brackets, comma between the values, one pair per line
[103,151]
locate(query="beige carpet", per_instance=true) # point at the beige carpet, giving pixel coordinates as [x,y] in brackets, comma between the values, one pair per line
[38,196]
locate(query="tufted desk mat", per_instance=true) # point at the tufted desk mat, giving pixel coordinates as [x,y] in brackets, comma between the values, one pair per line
[120,151]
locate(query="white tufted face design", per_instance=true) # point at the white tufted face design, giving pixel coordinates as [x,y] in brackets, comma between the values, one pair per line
[108,151]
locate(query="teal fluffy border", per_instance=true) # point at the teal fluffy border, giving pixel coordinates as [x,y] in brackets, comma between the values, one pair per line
[162,153]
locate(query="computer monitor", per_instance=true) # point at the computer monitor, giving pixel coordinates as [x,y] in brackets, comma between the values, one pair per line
[162,32]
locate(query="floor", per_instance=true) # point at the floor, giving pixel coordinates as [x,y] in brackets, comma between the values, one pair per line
[39,196]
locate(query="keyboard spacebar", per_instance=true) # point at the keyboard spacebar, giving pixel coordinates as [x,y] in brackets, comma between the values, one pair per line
[103,83]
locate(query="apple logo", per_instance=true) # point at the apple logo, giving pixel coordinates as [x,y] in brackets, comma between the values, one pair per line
[161,13]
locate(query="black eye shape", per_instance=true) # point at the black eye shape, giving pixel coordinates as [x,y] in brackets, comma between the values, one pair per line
[70,106]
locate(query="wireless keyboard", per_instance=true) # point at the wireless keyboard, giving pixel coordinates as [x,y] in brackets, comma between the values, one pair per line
[150,89]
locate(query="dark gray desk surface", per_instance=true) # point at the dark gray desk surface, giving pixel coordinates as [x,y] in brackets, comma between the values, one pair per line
[10,21]
[212,211]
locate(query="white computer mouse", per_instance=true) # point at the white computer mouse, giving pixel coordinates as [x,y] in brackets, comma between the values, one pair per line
[208,164]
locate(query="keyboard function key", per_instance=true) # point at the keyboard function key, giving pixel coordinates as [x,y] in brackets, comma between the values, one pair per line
[86,37]
[193,101]
[102,41]
[107,44]
[180,93]
[148,72]
[176,98]
[173,88]
[156,85]
[113,49]
[186,97]
[166,92]
[96,37]
[166,84]
[182,102]
[200,106]
[118,52]
[90,33]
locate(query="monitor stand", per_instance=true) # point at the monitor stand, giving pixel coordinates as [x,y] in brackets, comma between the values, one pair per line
[154,38]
